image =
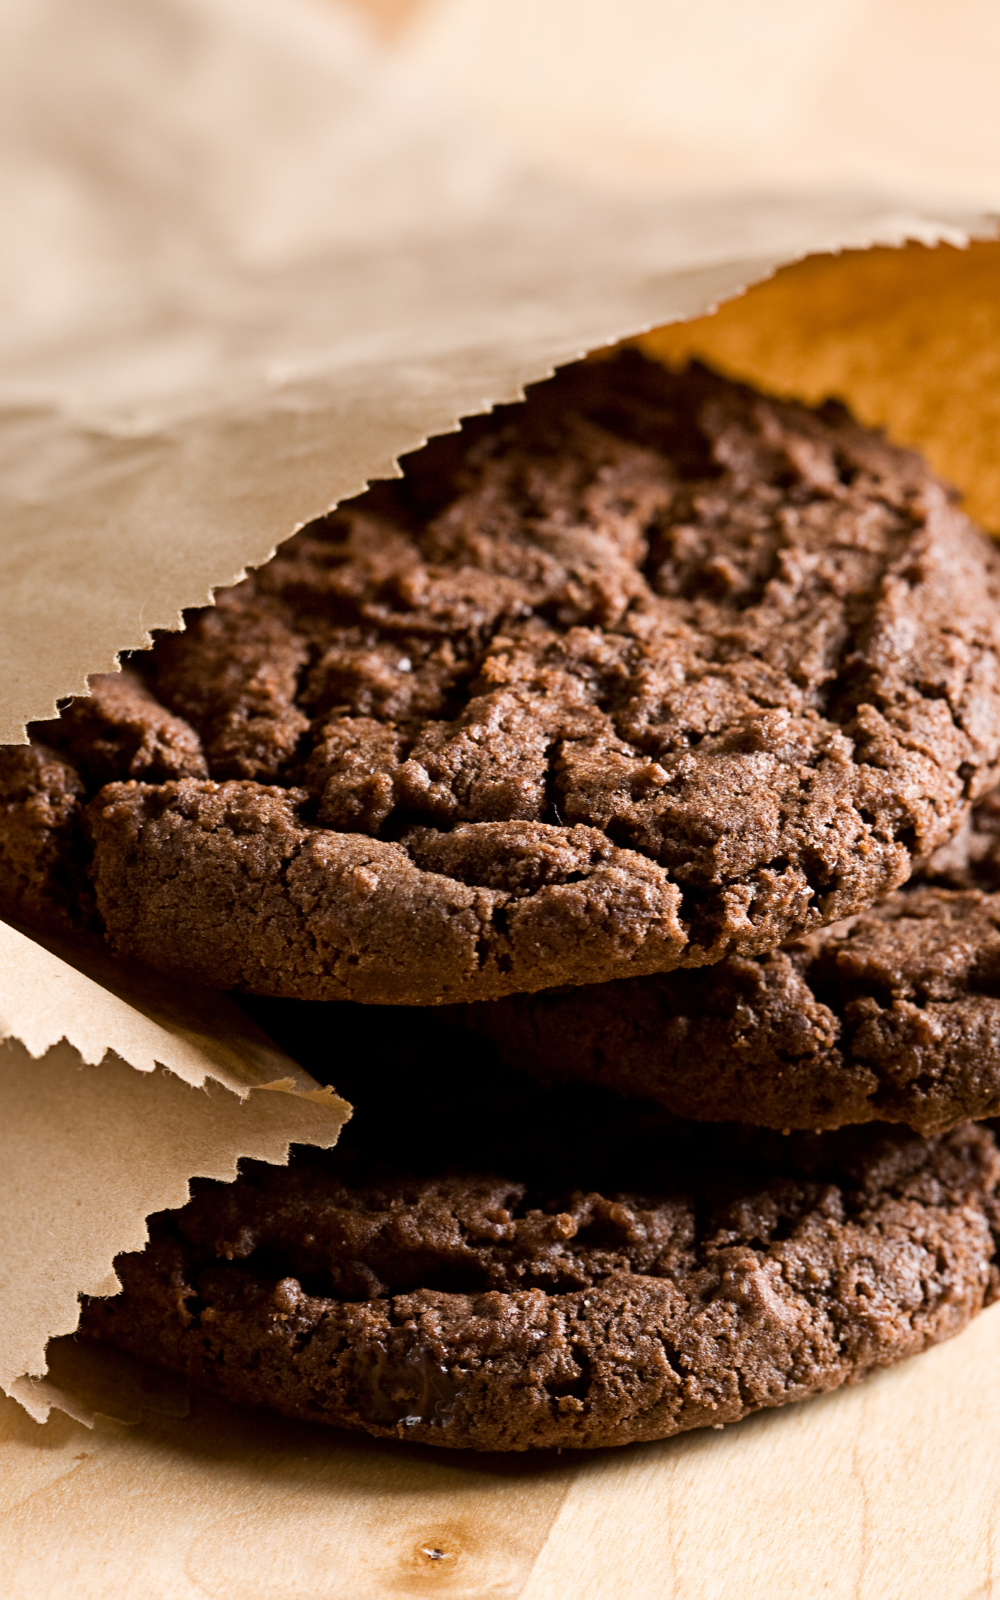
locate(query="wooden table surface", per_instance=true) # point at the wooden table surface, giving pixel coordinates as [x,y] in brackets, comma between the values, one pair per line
[889,1491]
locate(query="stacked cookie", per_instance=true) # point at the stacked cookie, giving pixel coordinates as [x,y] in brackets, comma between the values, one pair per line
[557,802]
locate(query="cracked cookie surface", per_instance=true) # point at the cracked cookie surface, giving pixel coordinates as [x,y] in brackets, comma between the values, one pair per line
[893,1016]
[590,1273]
[647,671]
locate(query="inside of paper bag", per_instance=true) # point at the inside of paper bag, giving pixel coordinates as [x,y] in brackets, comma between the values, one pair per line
[909,339]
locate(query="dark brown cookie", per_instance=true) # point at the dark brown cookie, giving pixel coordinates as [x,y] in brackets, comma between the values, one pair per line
[645,672]
[118,730]
[42,846]
[893,1016]
[546,1299]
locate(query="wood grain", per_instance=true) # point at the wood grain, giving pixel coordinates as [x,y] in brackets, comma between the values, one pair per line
[890,1491]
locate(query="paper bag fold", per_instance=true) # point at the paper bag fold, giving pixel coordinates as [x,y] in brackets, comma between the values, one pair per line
[112,1095]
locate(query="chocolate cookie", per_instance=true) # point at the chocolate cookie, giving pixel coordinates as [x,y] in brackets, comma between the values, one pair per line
[893,1016]
[645,672]
[550,1291]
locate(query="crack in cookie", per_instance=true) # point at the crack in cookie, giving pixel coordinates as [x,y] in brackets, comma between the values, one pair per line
[648,671]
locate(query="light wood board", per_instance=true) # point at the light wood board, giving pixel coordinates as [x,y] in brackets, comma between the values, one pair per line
[889,1491]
